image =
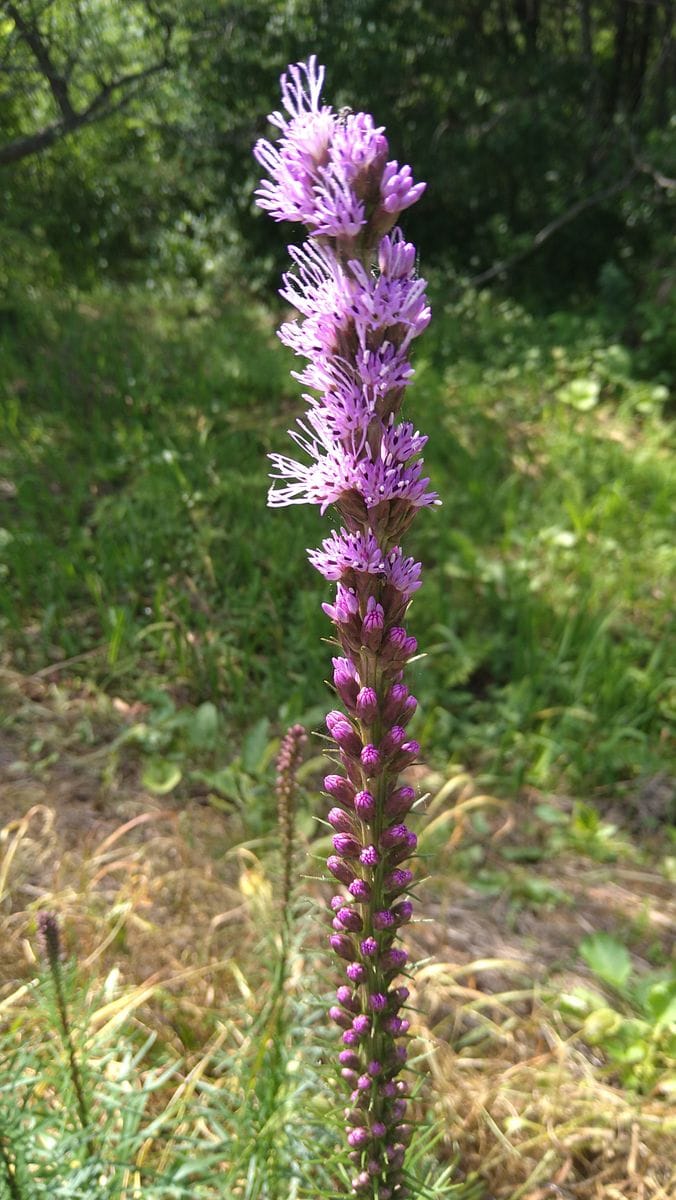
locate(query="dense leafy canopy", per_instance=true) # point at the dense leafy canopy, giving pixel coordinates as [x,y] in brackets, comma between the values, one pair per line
[542,128]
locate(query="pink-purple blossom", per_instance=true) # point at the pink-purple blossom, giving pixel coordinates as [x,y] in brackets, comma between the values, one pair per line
[361,304]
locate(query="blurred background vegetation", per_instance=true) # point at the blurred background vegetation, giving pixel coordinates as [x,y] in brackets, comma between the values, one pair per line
[160,628]
[142,386]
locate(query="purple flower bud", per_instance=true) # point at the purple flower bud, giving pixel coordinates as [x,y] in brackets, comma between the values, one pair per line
[378,1002]
[365,1082]
[340,820]
[410,646]
[348,1058]
[370,760]
[340,870]
[350,1038]
[400,994]
[403,911]
[399,802]
[356,972]
[349,919]
[341,1018]
[344,681]
[400,1052]
[340,788]
[384,919]
[410,749]
[349,1076]
[410,705]
[337,902]
[334,718]
[374,1068]
[394,1025]
[373,623]
[369,947]
[361,1024]
[369,856]
[346,845]
[392,741]
[389,1089]
[364,805]
[399,853]
[398,1109]
[343,733]
[396,638]
[378,1129]
[397,880]
[394,959]
[396,698]
[360,889]
[366,705]
[358,1137]
[394,836]
[346,997]
[343,945]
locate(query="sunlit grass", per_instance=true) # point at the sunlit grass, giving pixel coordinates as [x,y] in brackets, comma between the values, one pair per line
[136,540]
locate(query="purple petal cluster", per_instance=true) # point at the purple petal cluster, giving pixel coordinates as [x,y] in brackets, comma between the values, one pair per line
[361,303]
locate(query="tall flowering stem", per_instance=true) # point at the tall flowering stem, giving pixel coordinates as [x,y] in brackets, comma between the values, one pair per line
[361,304]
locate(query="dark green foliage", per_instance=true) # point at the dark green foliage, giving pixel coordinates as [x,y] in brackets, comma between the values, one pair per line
[543,135]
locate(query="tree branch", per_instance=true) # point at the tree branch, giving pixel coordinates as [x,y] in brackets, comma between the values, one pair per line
[102,105]
[552,227]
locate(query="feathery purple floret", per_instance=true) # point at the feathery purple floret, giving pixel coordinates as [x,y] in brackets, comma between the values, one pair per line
[361,303]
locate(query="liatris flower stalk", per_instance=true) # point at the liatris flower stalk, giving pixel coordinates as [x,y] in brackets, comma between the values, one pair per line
[355,286]
[49,942]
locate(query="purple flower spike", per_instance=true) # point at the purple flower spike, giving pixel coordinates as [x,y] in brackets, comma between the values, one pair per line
[360,304]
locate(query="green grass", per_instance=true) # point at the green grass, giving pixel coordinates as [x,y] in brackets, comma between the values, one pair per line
[135,534]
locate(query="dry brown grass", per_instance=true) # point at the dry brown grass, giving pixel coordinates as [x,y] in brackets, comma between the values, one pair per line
[168,897]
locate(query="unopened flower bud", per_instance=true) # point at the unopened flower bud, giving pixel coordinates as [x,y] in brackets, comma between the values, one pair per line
[364,805]
[340,870]
[366,705]
[399,802]
[340,820]
[371,760]
[340,788]
[343,945]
